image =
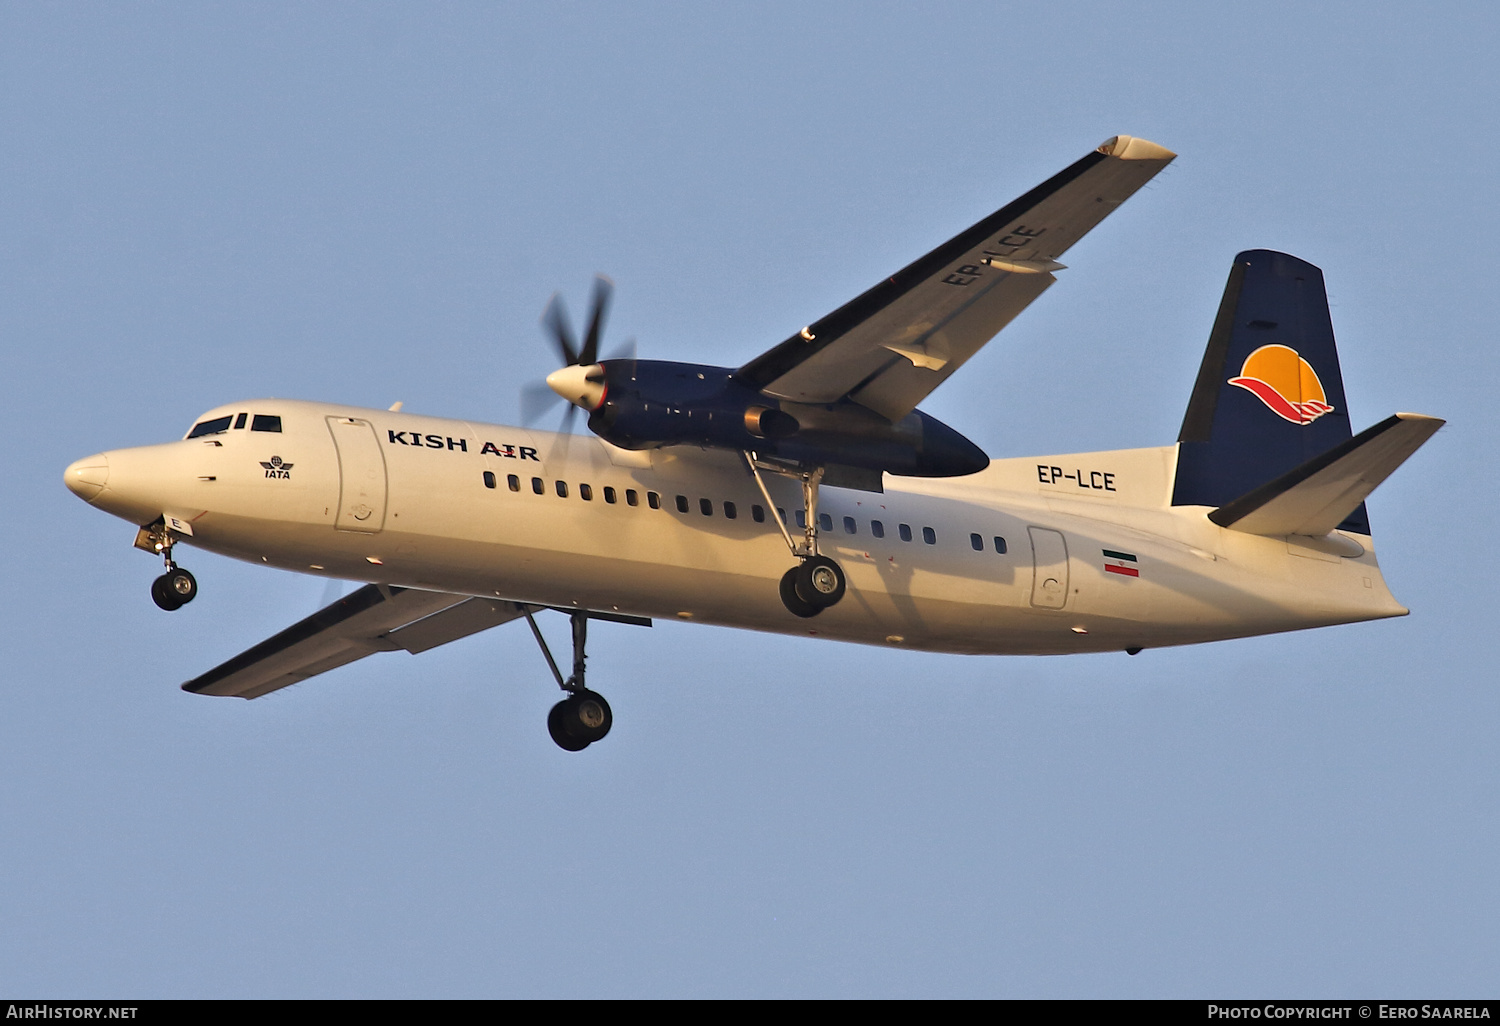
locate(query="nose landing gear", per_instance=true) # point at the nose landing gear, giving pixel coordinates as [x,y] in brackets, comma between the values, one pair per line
[175,588]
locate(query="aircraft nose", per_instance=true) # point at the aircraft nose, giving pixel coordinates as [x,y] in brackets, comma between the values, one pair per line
[86,477]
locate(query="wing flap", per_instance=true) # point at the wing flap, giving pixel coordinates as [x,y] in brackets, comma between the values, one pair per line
[376,618]
[890,347]
[471,617]
[1315,498]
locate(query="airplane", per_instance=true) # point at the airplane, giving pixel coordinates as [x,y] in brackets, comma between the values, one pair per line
[803,492]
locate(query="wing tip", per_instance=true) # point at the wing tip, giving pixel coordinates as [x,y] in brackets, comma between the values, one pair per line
[1129,147]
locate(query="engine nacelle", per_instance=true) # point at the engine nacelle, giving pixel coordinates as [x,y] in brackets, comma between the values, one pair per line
[651,403]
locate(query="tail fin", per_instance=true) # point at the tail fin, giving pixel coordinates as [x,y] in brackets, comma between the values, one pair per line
[1269,395]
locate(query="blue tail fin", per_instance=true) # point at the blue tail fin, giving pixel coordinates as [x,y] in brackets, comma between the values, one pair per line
[1269,395]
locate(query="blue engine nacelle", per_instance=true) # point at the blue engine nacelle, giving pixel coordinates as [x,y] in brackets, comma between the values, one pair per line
[651,403]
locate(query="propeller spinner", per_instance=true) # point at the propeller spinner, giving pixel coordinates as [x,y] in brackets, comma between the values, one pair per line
[581,380]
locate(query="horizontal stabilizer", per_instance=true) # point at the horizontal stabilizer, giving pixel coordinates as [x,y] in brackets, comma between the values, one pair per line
[1314,498]
[376,618]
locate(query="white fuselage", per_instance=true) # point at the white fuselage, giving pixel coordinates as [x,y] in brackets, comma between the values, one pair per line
[394,498]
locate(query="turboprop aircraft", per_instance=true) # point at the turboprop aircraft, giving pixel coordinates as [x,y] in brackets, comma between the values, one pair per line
[803,492]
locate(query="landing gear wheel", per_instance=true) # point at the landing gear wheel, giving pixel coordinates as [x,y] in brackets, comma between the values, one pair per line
[162,597]
[579,720]
[174,589]
[791,599]
[819,582]
[558,729]
[181,584]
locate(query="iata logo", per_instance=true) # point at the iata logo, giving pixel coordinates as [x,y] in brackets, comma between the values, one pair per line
[278,469]
[1285,382]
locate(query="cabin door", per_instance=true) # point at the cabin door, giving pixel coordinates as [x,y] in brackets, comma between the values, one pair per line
[361,475]
[1049,557]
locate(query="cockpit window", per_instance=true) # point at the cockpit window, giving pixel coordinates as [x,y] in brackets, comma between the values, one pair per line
[264,422]
[217,426]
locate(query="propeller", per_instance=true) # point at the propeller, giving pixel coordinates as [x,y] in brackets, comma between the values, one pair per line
[576,380]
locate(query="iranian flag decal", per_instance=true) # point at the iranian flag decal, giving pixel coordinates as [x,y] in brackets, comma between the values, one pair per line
[1122,563]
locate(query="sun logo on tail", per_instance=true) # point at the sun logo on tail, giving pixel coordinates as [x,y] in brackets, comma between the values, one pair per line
[1285,382]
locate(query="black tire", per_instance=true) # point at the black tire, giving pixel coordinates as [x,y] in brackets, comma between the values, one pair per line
[557,728]
[791,599]
[819,582]
[590,717]
[162,597]
[582,718]
[181,584]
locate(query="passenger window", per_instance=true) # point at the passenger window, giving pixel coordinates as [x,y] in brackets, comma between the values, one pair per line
[653,500]
[609,495]
[217,426]
[682,504]
[848,525]
[977,542]
[262,422]
[562,489]
[632,497]
[905,531]
[239,421]
[929,536]
[781,513]
[489,479]
[801,518]
[877,528]
[825,521]
[514,482]
[1000,545]
[729,511]
[586,492]
[538,486]
[706,507]
[757,513]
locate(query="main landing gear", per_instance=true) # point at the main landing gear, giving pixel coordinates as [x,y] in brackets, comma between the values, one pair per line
[175,588]
[816,582]
[584,716]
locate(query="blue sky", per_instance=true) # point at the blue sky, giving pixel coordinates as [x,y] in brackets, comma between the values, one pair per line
[366,203]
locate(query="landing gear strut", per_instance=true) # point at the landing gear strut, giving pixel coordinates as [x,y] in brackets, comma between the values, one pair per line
[584,716]
[816,582]
[175,588]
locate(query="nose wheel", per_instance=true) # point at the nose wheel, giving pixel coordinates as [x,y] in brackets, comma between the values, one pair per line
[174,589]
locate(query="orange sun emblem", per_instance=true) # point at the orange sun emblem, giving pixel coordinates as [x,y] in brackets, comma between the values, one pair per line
[1285,382]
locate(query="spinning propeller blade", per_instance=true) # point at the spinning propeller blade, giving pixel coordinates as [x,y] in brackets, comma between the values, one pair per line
[537,397]
[603,290]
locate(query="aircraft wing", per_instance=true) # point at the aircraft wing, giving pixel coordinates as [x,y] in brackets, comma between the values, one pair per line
[376,618]
[890,347]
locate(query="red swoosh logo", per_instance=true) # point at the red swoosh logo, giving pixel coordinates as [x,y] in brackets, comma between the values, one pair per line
[1297,413]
